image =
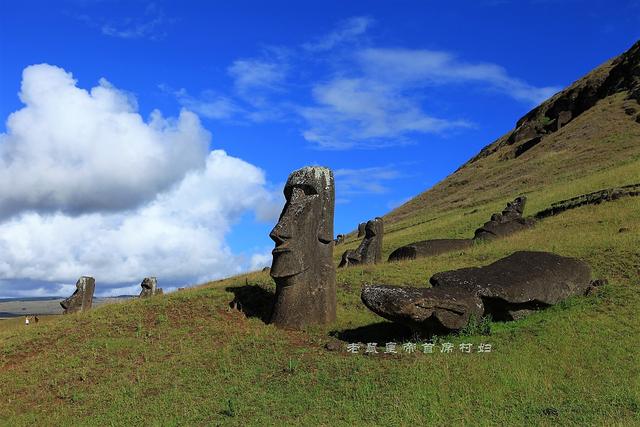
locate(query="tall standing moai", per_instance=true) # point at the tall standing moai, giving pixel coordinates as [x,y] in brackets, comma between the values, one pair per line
[82,298]
[370,249]
[302,265]
[150,287]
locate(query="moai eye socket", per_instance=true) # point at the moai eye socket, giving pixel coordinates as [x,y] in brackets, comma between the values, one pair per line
[307,190]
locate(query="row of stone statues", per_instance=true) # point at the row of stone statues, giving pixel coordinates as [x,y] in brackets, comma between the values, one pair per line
[304,272]
[82,297]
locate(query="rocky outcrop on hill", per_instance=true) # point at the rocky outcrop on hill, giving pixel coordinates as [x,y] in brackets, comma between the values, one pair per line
[617,75]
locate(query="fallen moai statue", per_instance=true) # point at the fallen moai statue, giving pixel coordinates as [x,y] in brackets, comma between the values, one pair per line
[150,287]
[507,289]
[370,249]
[429,248]
[303,267]
[501,224]
[594,198]
[82,298]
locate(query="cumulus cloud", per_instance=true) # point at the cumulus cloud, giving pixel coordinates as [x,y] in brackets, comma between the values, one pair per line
[87,187]
[178,237]
[82,151]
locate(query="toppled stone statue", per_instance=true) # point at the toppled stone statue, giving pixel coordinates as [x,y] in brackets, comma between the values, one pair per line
[82,298]
[500,225]
[302,265]
[507,222]
[427,248]
[370,249]
[361,229]
[150,287]
[507,289]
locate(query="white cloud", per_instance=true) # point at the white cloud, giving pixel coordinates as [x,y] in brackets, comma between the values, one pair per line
[208,104]
[179,236]
[88,188]
[84,151]
[413,67]
[261,260]
[347,31]
[256,74]
[359,112]
[365,180]
[148,25]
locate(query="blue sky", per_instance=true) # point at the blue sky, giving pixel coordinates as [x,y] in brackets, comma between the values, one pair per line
[393,96]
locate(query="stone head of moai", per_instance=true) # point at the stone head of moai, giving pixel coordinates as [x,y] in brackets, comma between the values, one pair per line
[150,287]
[82,298]
[370,249]
[361,229]
[303,255]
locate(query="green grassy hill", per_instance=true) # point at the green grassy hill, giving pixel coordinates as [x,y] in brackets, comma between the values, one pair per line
[187,358]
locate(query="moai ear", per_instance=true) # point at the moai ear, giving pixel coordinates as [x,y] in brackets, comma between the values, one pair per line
[327,194]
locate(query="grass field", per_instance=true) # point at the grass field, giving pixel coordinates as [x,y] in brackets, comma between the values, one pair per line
[188,359]
[185,358]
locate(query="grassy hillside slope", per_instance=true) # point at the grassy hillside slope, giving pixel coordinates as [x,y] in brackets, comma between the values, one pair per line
[187,358]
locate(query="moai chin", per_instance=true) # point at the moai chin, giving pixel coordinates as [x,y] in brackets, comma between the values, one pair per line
[370,249]
[82,298]
[302,265]
[150,287]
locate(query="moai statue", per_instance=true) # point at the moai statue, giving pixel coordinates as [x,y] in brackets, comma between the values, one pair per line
[507,222]
[370,249]
[361,229]
[150,287]
[302,265]
[82,298]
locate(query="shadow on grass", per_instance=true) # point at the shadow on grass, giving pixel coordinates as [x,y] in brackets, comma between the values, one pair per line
[253,301]
[381,332]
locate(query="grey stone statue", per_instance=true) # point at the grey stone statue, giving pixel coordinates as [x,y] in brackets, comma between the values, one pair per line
[150,287]
[370,249]
[302,265]
[361,228]
[507,222]
[82,298]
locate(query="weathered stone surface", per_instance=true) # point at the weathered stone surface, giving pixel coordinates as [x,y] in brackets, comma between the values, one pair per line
[361,229]
[507,289]
[150,287]
[302,265]
[427,310]
[370,249]
[429,248]
[507,222]
[82,298]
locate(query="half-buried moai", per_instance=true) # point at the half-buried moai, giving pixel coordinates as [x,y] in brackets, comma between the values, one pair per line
[82,298]
[150,287]
[370,249]
[507,222]
[302,265]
